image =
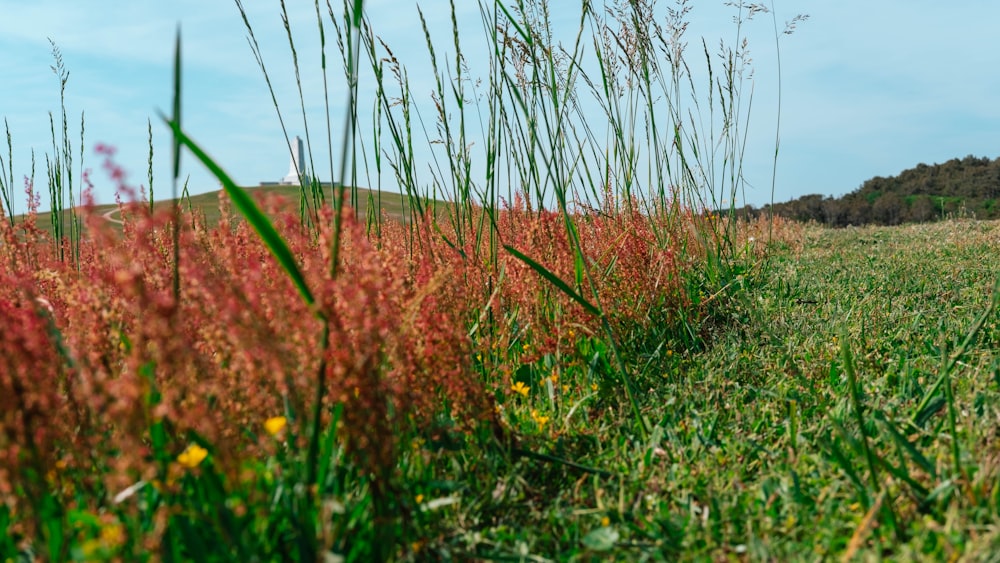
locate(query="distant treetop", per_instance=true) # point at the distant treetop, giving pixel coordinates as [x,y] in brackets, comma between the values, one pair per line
[968,187]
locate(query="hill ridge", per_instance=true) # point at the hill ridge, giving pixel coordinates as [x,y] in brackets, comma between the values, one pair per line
[968,186]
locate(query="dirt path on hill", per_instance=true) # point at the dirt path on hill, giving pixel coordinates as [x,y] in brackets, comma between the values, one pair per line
[107,216]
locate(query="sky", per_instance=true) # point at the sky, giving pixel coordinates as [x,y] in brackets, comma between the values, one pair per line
[866,88]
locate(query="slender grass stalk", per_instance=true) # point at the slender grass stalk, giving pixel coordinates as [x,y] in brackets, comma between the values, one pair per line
[7,182]
[871,458]
[53,171]
[61,166]
[349,44]
[306,212]
[326,90]
[400,153]
[149,162]
[338,207]
[77,220]
[957,355]
[308,181]
[176,168]
[777,129]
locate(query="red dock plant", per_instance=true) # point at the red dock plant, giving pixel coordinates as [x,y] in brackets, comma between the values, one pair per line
[95,357]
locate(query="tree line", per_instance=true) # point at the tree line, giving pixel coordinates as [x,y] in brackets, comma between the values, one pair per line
[968,187]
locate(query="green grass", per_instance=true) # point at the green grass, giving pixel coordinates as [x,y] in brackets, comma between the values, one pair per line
[393,205]
[742,460]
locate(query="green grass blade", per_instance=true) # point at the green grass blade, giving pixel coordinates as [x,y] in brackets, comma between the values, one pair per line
[177,105]
[873,460]
[176,157]
[855,395]
[970,338]
[254,216]
[901,473]
[907,446]
[555,280]
[329,445]
[838,455]
[357,14]
[930,406]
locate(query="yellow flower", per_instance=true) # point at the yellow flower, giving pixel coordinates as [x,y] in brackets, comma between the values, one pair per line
[554,377]
[521,388]
[112,535]
[605,521]
[540,420]
[419,499]
[275,424]
[192,456]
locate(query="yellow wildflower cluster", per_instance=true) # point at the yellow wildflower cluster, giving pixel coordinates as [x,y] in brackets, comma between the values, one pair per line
[540,420]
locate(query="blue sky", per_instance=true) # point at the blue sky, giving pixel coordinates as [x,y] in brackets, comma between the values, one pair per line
[868,88]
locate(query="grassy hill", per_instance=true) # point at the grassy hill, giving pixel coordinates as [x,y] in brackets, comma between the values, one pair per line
[968,187]
[393,205]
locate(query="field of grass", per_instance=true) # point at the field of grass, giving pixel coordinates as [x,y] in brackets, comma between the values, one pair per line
[754,446]
[582,356]
[756,452]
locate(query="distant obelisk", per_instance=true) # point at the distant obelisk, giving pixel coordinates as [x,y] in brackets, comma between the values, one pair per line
[297,165]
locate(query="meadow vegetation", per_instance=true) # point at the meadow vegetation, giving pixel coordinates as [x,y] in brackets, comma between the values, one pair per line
[575,356]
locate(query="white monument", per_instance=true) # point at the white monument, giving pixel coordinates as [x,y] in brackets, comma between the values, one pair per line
[297,166]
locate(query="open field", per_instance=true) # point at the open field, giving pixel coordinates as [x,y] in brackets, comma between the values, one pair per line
[756,451]
[585,355]
[753,448]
